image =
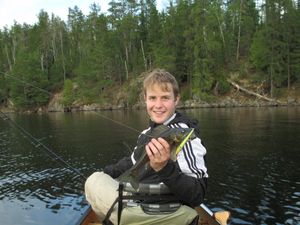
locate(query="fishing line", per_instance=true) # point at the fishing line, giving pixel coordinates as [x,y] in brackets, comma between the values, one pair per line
[38,143]
[119,123]
[50,152]
[24,82]
[45,91]
[99,114]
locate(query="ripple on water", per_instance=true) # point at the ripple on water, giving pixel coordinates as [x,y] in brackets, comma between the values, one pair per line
[251,172]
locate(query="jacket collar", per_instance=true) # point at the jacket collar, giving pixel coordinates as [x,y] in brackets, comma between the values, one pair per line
[153,124]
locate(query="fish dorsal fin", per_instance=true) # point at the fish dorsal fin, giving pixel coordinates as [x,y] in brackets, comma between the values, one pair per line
[159,130]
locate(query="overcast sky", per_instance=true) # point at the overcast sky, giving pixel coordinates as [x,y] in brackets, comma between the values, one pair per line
[26,11]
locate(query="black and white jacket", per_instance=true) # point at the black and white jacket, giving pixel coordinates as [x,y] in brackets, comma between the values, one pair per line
[186,177]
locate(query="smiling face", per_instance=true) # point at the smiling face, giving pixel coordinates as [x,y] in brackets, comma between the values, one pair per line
[160,101]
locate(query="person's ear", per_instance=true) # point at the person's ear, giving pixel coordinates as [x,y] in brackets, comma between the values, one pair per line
[177,100]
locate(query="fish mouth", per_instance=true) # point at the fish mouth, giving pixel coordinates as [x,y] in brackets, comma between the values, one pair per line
[187,136]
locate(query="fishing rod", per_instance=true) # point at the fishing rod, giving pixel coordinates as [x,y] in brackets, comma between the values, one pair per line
[50,152]
[38,143]
[55,156]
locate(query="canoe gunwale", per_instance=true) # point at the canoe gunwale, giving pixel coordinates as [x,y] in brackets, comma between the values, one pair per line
[207,217]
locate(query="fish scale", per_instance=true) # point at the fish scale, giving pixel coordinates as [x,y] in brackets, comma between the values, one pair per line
[176,137]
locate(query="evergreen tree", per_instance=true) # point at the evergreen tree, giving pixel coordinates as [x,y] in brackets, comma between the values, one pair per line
[198,41]
[177,35]
[59,44]
[241,22]
[270,36]
[95,69]
[154,35]
[76,36]
[143,31]
[42,37]
[3,89]
[28,76]
[4,67]
[291,37]
[124,23]
[207,46]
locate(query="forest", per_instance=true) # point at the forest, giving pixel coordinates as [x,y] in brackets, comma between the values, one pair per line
[203,43]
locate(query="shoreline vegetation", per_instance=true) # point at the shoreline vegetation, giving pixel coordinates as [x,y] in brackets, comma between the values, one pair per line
[238,96]
[222,53]
[188,104]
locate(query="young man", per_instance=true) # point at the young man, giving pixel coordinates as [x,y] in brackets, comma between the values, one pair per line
[183,181]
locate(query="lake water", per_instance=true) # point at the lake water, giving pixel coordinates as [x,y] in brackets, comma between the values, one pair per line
[253,161]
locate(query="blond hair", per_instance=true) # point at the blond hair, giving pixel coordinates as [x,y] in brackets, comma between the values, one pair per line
[162,78]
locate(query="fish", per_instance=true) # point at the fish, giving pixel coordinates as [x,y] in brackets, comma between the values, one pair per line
[176,137]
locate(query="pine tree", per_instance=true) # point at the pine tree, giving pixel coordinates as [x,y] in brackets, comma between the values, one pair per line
[208,46]
[270,38]
[291,37]
[76,35]
[241,22]
[59,42]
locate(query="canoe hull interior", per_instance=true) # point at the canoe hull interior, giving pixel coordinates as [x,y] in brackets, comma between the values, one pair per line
[90,218]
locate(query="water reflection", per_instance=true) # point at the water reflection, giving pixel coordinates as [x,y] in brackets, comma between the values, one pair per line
[33,187]
[253,163]
[252,158]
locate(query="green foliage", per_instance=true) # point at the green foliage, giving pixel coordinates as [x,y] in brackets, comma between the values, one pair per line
[224,86]
[185,93]
[206,97]
[99,92]
[272,50]
[29,80]
[133,96]
[241,19]
[132,91]
[260,54]
[200,42]
[68,93]
[3,89]
[164,59]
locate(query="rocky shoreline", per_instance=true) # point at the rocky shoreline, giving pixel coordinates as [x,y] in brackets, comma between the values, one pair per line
[184,105]
[231,100]
[55,106]
[225,102]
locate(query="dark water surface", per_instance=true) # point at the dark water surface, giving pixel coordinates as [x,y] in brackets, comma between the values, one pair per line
[253,162]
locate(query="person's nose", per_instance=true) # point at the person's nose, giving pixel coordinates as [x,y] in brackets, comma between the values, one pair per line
[158,103]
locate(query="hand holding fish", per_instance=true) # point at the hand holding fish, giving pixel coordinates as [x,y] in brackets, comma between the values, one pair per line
[159,145]
[158,151]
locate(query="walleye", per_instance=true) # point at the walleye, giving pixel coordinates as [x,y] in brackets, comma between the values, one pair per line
[176,137]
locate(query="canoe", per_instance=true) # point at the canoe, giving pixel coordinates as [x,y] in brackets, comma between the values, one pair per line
[207,217]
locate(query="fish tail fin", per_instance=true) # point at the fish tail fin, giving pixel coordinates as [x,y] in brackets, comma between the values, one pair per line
[133,178]
[134,183]
[128,177]
[124,177]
